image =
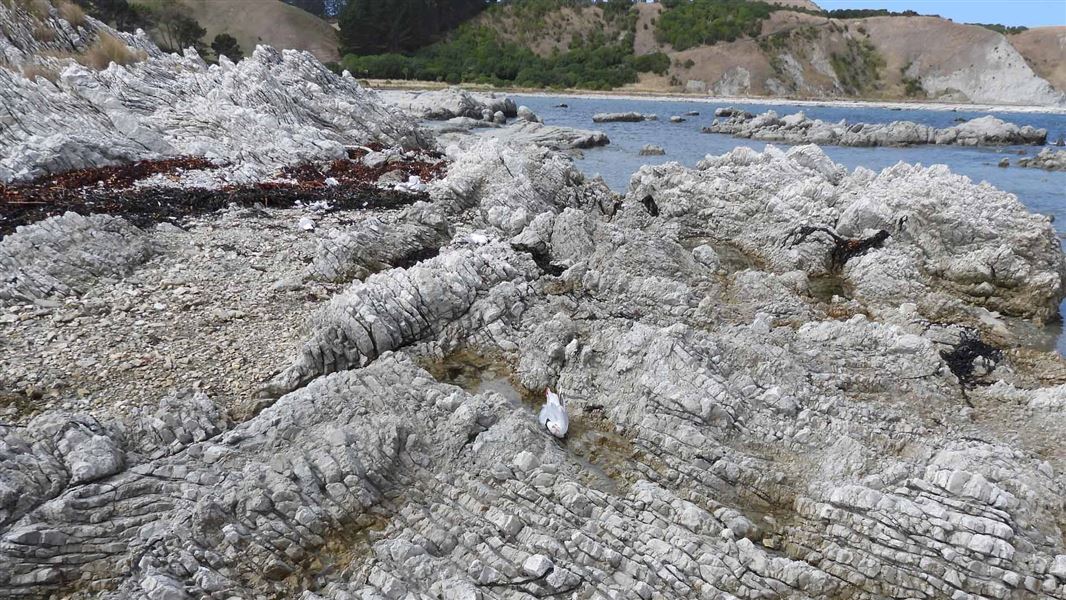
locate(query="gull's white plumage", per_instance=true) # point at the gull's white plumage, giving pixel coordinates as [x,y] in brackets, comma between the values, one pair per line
[553,415]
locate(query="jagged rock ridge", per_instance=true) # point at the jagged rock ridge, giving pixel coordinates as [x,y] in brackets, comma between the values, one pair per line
[270,110]
[797,128]
[773,368]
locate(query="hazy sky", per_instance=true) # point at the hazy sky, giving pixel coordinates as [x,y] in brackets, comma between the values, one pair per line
[1031,13]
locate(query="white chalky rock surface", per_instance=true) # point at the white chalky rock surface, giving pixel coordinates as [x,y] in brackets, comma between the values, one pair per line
[748,418]
[549,136]
[1048,159]
[948,254]
[798,128]
[64,255]
[441,105]
[270,110]
[731,433]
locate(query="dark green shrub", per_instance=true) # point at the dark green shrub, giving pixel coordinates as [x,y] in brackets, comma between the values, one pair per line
[657,62]
[689,24]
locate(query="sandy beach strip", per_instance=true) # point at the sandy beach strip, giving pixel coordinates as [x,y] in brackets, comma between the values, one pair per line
[722,100]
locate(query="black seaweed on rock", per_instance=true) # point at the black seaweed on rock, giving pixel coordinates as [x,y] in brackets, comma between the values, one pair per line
[844,249]
[971,358]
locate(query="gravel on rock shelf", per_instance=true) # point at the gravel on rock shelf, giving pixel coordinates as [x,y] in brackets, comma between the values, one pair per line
[292,371]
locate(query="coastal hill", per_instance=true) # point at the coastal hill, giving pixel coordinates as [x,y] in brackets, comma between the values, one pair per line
[810,55]
[271,22]
[780,48]
[1043,49]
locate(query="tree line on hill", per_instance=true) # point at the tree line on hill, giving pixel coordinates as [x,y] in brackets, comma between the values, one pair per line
[381,26]
[436,41]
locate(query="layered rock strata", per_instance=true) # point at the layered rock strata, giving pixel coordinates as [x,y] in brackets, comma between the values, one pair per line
[799,129]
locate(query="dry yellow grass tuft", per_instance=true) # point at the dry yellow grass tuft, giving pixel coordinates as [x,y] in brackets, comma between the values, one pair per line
[37,8]
[43,33]
[33,71]
[109,49]
[71,13]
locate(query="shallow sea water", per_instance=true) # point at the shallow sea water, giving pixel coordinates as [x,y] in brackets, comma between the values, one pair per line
[1041,191]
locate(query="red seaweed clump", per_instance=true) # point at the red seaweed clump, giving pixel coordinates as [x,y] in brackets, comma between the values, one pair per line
[343,184]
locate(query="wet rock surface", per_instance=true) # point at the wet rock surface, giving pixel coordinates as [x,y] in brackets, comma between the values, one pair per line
[1048,159]
[799,129]
[784,380]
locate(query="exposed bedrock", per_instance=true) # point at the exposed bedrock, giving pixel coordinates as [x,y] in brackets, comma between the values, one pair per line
[770,396]
[37,32]
[223,513]
[947,244]
[442,105]
[270,110]
[519,133]
[799,129]
[549,136]
[1048,159]
[65,255]
[378,244]
[466,288]
[504,187]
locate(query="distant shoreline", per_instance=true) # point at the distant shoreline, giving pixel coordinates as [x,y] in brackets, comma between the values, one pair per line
[681,97]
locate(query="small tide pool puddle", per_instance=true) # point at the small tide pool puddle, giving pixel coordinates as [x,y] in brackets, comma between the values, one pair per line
[730,257]
[826,287]
[478,373]
[606,460]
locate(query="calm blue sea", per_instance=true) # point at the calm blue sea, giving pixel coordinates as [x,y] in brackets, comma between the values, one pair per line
[1042,191]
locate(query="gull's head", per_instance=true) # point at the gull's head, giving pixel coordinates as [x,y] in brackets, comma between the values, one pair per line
[555,428]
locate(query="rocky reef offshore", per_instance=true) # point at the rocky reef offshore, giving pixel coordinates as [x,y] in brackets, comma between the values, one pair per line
[271,337]
[799,129]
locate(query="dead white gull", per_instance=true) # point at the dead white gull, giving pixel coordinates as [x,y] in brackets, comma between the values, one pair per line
[553,416]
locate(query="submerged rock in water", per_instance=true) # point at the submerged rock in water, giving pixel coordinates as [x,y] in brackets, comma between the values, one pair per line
[652,150]
[799,129]
[625,117]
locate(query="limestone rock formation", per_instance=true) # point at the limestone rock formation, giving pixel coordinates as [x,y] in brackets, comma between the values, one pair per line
[441,105]
[937,251]
[37,33]
[1048,159]
[377,244]
[270,110]
[732,432]
[783,379]
[552,137]
[65,255]
[625,117]
[799,129]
